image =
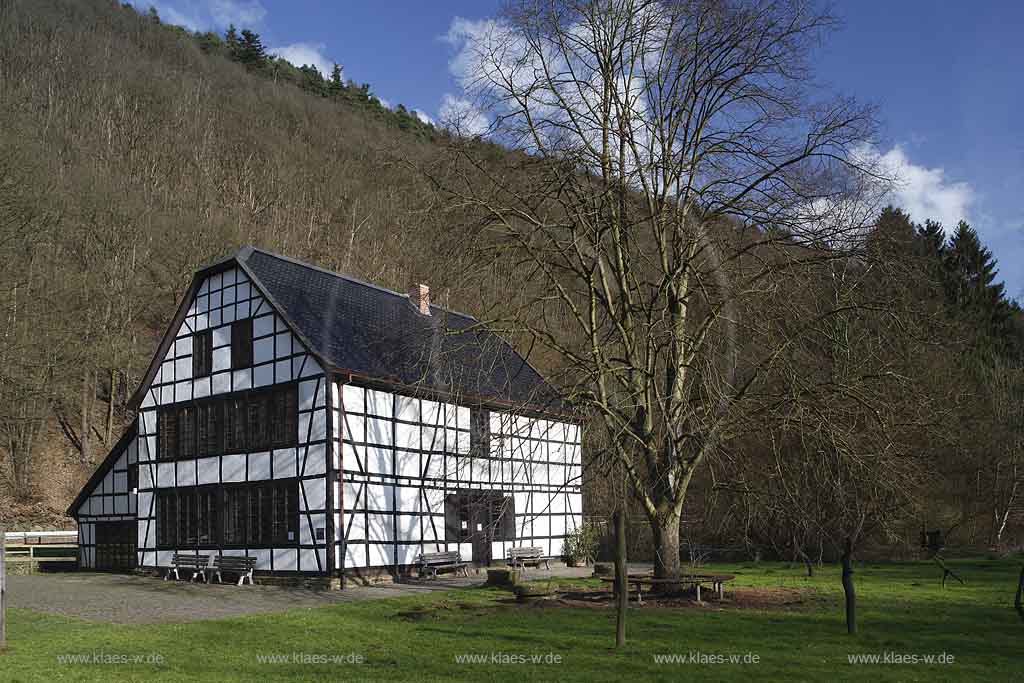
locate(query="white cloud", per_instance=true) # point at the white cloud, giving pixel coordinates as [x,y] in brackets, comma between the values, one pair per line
[422,116]
[300,54]
[241,13]
[384,103]
[459,115]
[925,193]
[200,15]
[187,16]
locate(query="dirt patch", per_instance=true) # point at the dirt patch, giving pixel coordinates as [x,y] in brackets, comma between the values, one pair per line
[775,598]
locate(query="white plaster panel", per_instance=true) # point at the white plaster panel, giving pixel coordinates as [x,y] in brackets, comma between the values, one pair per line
[316,494]
[186,473]
[380,527]
[263,375]
[380,555]
[282,371]
[315,459]
[408,498]
[259,466]
[355,555]
[165,474]
[377,460]
[233,467]
[407,464]
[379,497]
[222,358]
[355,428]
[307,560]
[379,403]
[407,408]
[353,398]
[209,470]
[307,394]
[284,463]
[407,553]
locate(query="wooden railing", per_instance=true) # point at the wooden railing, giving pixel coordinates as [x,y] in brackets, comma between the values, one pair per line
[35,547]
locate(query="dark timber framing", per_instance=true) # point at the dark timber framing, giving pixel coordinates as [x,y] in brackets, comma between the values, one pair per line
[260,338]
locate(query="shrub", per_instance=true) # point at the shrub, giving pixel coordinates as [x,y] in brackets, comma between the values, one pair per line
[582,542]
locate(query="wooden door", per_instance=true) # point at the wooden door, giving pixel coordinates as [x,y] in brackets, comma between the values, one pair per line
[115,546]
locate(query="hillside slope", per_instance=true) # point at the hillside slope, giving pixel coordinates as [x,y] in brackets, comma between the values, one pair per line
[129,157]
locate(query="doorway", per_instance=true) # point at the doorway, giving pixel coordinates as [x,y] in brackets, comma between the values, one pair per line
[479,518]
[115,546]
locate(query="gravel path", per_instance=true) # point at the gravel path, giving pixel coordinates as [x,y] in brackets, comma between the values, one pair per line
[128,599]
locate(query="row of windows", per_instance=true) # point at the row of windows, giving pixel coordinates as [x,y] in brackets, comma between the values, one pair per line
[241,349]
[214,516]
[238,423]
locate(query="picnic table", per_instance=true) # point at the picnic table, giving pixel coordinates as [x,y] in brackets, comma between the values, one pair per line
[717,582]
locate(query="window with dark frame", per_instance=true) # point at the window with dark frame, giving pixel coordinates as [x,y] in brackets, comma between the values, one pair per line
[285,418]
[238,515]
[258,421]
[252,421]
[234,424]
[167,434]
[187,432]
[241,344]
[234,506]
[207,429]
[133,477]
[202,353]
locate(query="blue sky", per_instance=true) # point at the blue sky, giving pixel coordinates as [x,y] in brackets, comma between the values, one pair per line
[947,77]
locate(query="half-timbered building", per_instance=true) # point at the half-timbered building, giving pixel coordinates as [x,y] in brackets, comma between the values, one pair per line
[330,427]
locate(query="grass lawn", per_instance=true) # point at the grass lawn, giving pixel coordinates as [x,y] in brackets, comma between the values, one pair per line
[902,610]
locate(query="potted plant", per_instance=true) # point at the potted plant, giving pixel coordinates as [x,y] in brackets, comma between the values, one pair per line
[580,546]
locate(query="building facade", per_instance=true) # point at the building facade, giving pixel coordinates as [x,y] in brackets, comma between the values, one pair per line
[328,427]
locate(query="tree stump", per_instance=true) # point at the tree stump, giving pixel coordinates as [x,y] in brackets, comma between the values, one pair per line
[503,577]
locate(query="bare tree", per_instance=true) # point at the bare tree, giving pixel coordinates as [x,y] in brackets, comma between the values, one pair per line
[677,168]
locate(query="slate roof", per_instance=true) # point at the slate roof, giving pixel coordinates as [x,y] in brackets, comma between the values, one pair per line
[378,336]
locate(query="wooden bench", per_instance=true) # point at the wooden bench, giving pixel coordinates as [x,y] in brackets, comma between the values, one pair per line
[197,563]
[435,562]
[233,564]
[716,581]
[533,555]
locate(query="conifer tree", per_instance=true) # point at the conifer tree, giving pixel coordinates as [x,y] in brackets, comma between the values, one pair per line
[337,84]
[251,52]
[231,41]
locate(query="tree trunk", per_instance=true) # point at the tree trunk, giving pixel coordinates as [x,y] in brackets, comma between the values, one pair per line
[1018,601]
[86,409]
[110,406]
[851,595]
[666,547]
[621,586]
[3,590]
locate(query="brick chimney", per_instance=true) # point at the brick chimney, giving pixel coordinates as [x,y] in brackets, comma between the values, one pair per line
[419,295]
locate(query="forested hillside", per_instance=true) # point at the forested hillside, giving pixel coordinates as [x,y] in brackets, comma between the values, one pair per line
[132,153]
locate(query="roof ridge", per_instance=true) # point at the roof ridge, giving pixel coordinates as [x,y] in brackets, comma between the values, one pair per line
[245,252]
